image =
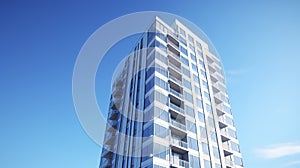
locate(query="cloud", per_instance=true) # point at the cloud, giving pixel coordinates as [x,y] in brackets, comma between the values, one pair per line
[235,72]
[279,150]
[293,163]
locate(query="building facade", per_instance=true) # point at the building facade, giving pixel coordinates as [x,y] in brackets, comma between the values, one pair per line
[169,105]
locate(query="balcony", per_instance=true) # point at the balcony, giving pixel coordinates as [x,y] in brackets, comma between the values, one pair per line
[224,135]
[175,67]
[114,115]
[177,109]
[227,149]
[177,81]
[176,93]
[222,122]
[178,128]
[107,154]
[176,162]
[179,146]
[173,55]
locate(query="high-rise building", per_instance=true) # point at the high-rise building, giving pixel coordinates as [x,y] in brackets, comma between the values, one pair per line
[169,106]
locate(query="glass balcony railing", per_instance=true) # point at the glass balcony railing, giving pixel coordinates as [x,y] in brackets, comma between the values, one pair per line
[175,79]
[175,67]
[178,125]
[176,93]
[180,162]
[174,55]
[178,142]
[176,108]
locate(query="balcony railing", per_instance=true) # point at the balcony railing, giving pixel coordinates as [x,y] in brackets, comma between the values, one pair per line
[176,108]
[176,93]
[229,162]
[174,55]
[175,79]
[178,142]
[175,67]
[178,125]
[180,162]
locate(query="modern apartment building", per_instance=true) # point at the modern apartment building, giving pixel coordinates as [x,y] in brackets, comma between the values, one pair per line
[169,106]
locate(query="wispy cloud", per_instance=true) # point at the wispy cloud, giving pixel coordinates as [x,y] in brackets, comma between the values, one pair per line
[293,163]
[235,72]
[279,150]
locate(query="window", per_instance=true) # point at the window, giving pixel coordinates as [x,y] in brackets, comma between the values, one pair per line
[188,96]
[205,149]
[196,79]
[182,40]
[194,67]
[197,90]
[148,131]
[183,50]
[184,61]
[191,126]
[186,83]
[203,74]
[161,98]
[160,151]
[161,57]
[194,161]
[238,160]
[148,100]
[208,108]
[149,85]
[161,70]
[206,95]
[189,111]
[204,83]
[193,144]
[182,32]
[201,117]
[217,165]
[216,152]
[213,136]
[232,133]
[190,38]
[161,36]
[201,64]
[198,45]
[229,120]
[161,114]
[207,164]
[160,131]
[185,71]
[235,146]
[211,122]
[193,57]
[203,133]
[199,103]
[161,83]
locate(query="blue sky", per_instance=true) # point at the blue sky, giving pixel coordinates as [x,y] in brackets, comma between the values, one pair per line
[258,43]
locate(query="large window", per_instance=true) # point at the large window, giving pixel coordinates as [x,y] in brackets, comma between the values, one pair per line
[191,126]
[189,111]
[235,146]
[201,117]
[186,83]
[161,98]
[160,131]
[205,149]
[184,61]
[185,71]
[161,114]
[160,151]
[238,160]
[194,161]
[188,96]
[207,164]
[193,57]
[203,133]
[183,50]
[193,144]
[216,152]
[161,83]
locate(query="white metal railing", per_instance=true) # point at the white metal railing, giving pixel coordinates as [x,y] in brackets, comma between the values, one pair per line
[178,125]
[176,108]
